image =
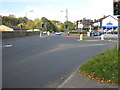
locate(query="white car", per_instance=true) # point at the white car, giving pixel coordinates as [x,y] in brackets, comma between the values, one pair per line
[45,32]
[58,33]
[29,30]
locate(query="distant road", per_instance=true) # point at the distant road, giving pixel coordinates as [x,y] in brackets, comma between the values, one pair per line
[33,62]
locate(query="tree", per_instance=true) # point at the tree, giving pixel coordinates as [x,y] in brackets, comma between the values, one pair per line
[22,20]
[9,20]
[30,25]
[71,25]
[49,25]
[12,16]
[37,23]
[58,25]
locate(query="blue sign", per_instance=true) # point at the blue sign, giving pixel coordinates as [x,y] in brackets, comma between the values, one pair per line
[109,23]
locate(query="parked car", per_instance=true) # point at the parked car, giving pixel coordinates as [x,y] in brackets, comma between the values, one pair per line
[115,32]
[96,33]
[45,32]
[58,33]
[29,30]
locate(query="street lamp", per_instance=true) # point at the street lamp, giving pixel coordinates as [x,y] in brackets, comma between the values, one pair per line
[66,19]
[28,11]
[66,14]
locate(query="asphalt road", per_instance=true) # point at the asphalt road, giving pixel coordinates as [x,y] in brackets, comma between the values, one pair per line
[33,62]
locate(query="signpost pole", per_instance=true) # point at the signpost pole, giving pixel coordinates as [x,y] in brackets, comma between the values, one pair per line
[80,26]
[118,41]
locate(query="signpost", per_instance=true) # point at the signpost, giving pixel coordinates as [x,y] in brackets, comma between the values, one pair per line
[80,26]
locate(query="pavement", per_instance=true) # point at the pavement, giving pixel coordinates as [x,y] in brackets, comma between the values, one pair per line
[111,35]
[78,80]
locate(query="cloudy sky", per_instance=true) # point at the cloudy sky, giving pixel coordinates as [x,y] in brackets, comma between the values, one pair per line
[51,9]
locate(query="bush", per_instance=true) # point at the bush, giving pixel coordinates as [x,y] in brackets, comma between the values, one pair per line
[78,32]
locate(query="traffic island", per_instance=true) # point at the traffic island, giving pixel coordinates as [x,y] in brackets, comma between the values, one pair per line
[103,67]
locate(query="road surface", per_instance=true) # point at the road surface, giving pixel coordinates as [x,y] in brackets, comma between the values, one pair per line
[34,62]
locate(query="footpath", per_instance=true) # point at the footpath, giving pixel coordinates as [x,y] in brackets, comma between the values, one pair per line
[78,80]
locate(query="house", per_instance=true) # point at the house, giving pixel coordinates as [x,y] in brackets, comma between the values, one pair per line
[5,28]
[107,23]
[85,24]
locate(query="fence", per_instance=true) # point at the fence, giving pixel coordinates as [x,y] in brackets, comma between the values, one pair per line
[13,34]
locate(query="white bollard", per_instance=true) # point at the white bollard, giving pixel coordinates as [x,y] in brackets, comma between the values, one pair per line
[88,34]
[81,36]
[40,34]
[102,37]
[48,33]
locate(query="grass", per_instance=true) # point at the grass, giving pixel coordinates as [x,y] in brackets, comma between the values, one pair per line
[103,67]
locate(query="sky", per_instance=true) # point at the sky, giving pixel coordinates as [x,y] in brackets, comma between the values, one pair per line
[51,9]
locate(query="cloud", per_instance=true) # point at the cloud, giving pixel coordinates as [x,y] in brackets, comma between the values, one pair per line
[77,9]
[95,9]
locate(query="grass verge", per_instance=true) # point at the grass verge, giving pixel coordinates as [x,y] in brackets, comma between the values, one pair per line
[103,67]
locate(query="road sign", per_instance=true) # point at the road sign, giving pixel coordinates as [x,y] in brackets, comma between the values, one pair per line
[80,25]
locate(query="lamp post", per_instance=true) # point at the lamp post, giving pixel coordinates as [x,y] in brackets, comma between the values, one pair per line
[66,14]
[66,20]
[28,11]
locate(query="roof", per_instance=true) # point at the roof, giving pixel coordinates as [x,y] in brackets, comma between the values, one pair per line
[5,28]
[105,17]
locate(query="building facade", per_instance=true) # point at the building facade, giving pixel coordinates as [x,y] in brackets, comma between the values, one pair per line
[109,24]
[106,24]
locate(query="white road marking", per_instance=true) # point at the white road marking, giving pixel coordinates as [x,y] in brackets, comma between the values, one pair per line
[8,45]
[66,81]
[60,86]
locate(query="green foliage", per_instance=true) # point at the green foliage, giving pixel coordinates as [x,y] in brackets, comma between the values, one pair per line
[50,25]
[22,20]
[37,23]
[30,25]
[78,32]
[57,24]
[103,65]
[8,20]
[71,26]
